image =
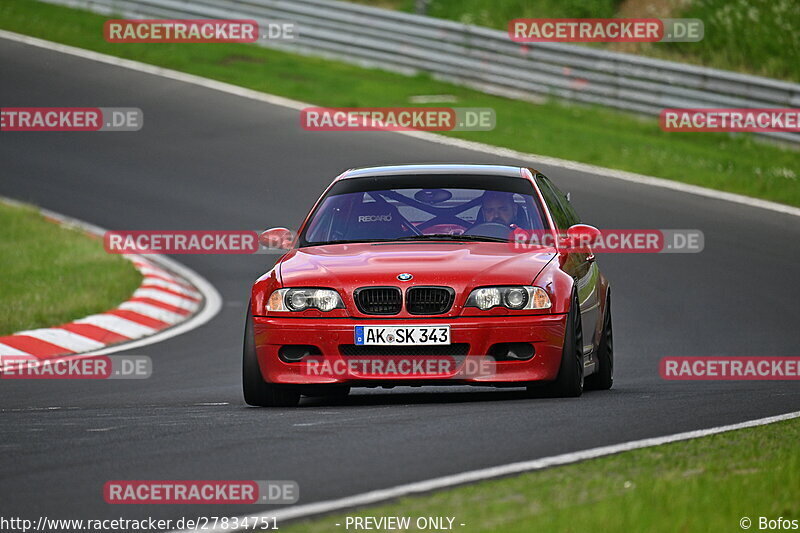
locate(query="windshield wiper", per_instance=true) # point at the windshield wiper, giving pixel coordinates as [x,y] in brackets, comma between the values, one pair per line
[448,237]
[344,241]
[431,237]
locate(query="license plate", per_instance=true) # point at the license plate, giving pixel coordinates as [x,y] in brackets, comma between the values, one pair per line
[402,335]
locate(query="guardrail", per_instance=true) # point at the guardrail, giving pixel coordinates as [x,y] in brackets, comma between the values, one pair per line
[480,57]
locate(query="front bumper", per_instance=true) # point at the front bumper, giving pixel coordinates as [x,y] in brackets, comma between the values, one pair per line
[545,332]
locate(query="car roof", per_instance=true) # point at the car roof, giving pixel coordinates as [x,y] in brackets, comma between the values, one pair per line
[422,169]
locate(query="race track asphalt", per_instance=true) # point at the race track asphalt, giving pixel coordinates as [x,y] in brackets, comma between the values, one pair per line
[209,160]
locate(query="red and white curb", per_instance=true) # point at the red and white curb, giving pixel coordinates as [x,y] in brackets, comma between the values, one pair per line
[170,300]
[161,301]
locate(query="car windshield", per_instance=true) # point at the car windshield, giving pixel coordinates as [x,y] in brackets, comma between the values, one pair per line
[419,208]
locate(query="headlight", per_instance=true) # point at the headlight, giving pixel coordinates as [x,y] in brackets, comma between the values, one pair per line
[521,297]
[302,299]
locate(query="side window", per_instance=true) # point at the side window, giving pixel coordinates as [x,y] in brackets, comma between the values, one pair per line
[570,216]
[560,217]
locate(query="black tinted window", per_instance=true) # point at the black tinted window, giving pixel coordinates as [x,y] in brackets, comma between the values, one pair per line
[550,198]
[564,214]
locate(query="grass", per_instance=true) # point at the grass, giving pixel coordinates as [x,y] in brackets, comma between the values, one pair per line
[752,36]
[738,164]
[52,275]
[497,13]
[701,485]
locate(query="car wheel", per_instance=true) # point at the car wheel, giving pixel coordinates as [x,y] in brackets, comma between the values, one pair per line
[603,379]
[257,391]
[569,383]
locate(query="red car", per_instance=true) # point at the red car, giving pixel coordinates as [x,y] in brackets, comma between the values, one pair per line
[412,275]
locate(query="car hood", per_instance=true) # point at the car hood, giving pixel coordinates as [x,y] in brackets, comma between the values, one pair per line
[454,264]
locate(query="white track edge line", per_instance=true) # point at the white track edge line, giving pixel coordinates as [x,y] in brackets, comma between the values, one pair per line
[212,300]
[533,159]
[382,495]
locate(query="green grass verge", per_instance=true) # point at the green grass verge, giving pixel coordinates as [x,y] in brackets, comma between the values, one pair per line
[52,275]
[497,13]
[588,134]
[702,485]
[752,36]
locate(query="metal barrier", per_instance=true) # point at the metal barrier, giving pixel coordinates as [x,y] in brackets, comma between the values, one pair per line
[480,57]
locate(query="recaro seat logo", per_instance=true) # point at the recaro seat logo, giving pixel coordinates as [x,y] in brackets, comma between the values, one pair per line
[375,218]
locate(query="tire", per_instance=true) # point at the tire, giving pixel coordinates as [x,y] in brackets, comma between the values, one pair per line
[569,383]
[603,379]
[256,391]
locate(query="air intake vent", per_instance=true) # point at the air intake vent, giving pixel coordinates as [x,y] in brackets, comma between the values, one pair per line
[378,300]
[357,350]
[429,300]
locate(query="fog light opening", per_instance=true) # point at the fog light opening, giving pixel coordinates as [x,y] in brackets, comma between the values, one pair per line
[294,353]
[512,351]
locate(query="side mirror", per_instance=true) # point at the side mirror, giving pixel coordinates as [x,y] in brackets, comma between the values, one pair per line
[277,238]
[582,237]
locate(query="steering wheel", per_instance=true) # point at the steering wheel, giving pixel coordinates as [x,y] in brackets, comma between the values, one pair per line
[489,229]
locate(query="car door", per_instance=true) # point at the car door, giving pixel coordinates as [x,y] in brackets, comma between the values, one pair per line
[580,265]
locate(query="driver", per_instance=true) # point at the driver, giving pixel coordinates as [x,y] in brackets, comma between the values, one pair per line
[499,207]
